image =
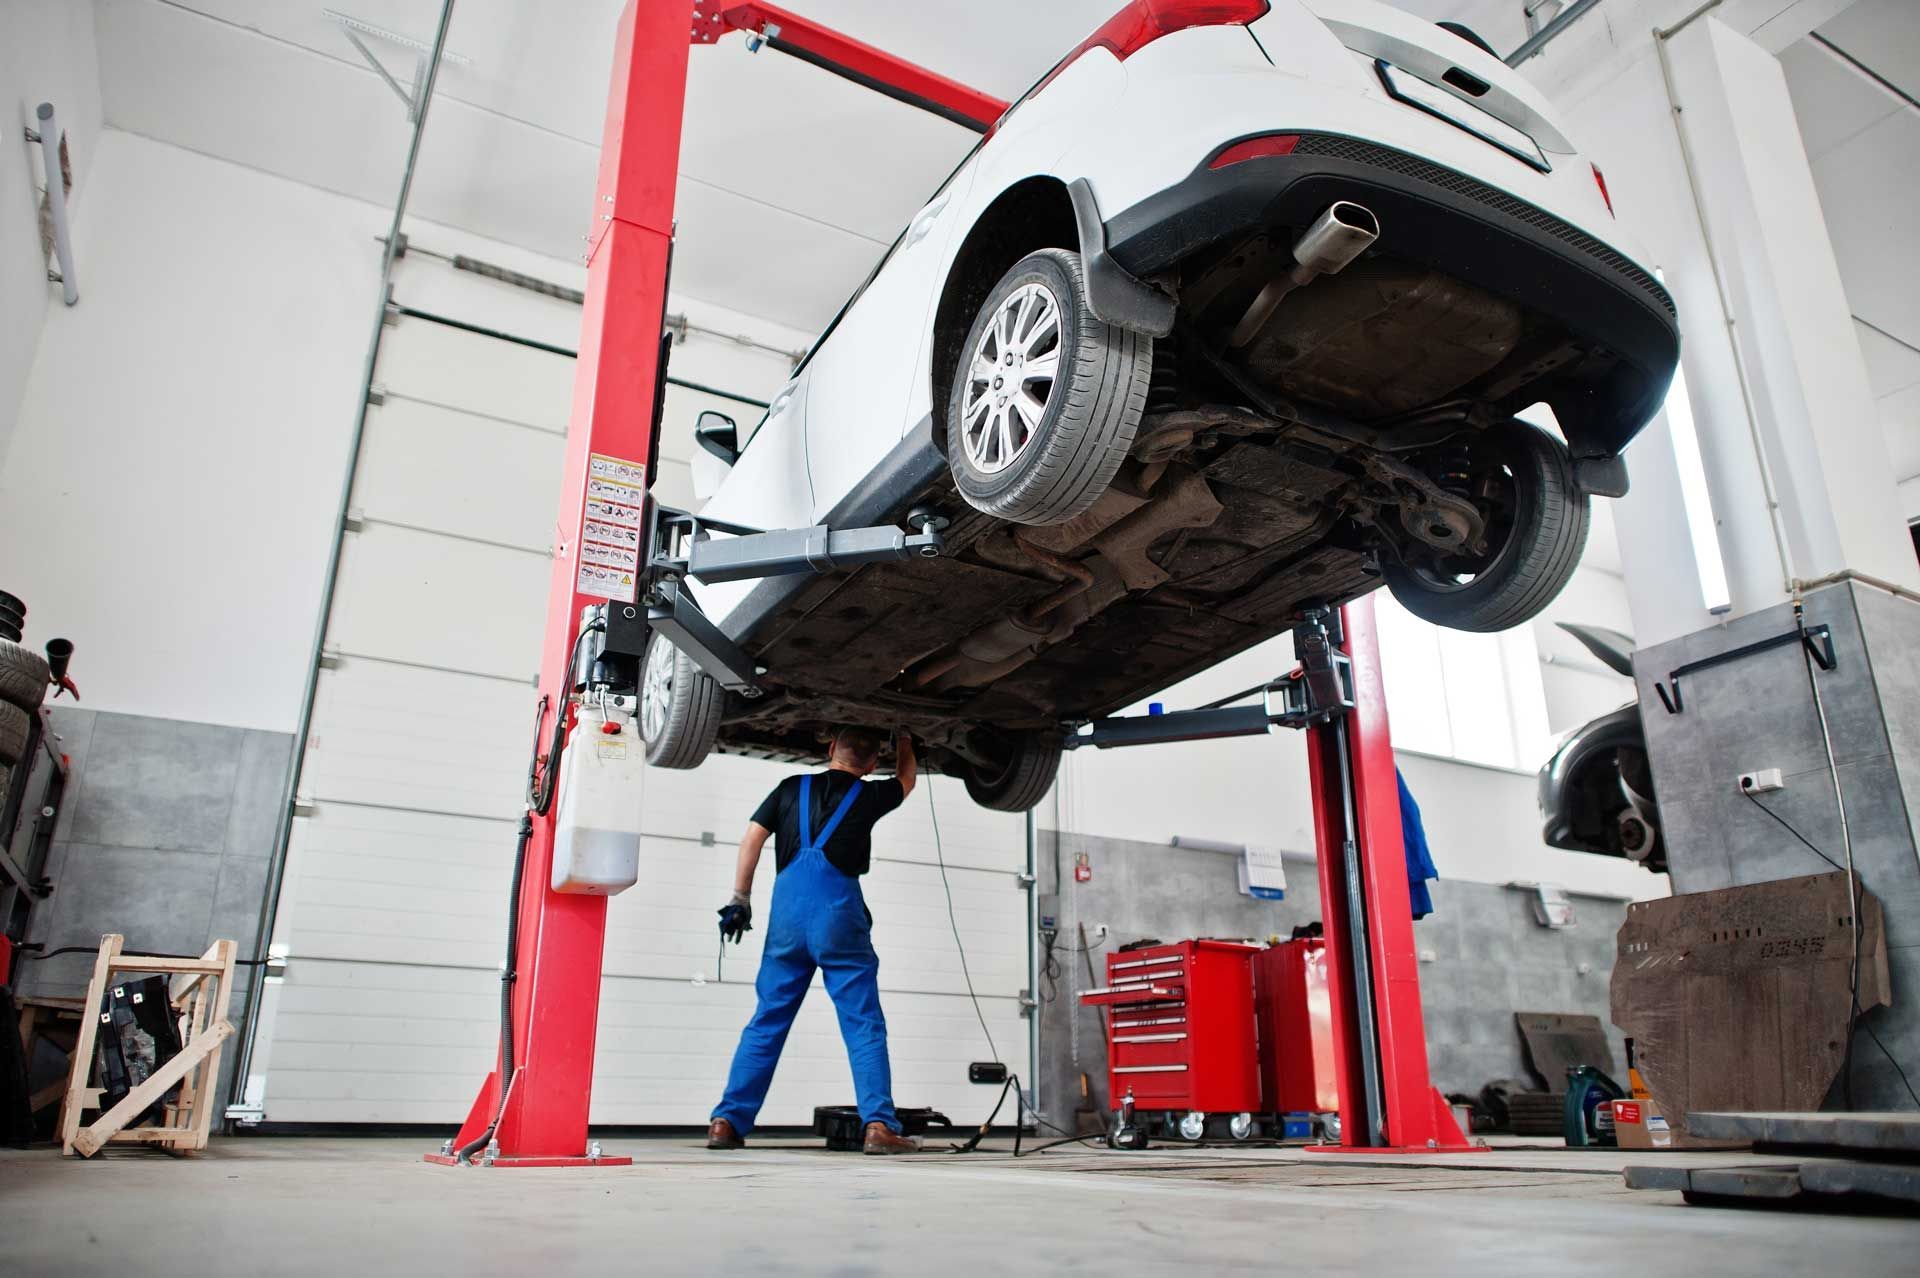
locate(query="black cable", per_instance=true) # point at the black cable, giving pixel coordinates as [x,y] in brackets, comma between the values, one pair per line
[24,954]
[940,855]
[1857,1013]
[508,974]
[1755,800]
[541,787]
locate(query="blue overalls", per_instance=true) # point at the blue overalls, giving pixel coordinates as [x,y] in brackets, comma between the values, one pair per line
[819,920]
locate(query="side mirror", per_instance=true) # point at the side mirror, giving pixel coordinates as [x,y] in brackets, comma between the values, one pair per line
[719,448]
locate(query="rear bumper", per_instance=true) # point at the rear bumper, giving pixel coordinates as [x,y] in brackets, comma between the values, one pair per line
[1451,222]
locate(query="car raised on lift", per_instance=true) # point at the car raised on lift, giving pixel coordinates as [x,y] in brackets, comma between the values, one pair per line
[1232,313]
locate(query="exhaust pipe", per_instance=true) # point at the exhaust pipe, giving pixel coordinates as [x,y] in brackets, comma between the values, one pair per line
[1336,237]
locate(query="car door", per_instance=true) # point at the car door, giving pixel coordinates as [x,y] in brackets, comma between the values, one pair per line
[870,381]
[768,486]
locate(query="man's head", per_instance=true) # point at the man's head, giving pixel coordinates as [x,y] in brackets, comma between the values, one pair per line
[855,749]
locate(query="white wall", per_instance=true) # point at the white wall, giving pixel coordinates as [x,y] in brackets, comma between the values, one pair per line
[169,496]
[46,55]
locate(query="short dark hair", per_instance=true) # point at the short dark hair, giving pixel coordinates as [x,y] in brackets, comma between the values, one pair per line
[863,742]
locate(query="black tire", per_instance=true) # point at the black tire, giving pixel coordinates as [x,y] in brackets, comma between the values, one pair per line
[1022,779]
[1545,534]
[23,675]
[680,707]
[15,723]
[1091,410]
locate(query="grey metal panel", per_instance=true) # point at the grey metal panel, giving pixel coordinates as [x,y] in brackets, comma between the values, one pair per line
[1892,1131]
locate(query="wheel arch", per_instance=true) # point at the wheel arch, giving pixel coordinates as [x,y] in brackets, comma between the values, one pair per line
[1034,213]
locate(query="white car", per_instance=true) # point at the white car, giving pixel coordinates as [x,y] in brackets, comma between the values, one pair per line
[1231,313]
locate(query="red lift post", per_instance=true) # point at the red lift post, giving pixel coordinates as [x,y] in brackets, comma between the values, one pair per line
[542,1119]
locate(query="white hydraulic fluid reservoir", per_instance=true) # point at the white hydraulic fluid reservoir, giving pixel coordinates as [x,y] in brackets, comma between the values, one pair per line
[596,841]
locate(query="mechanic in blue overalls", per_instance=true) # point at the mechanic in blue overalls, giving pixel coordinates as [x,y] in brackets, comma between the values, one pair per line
[821,825]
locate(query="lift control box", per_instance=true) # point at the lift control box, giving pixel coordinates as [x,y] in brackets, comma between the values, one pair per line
[596,840]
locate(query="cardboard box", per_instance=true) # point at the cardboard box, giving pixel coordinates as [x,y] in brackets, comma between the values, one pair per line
[1639,1124]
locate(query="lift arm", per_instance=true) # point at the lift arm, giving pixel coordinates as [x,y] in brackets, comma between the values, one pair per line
[871,68]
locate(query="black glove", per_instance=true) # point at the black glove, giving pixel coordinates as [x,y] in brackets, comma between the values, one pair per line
[736,918]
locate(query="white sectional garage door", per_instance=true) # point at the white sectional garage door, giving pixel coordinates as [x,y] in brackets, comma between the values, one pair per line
[394,907]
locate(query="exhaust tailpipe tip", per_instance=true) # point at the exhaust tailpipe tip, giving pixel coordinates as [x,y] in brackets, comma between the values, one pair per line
[1336,237]
[1341,233]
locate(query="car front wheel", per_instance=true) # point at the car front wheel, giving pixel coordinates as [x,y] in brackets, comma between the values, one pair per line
[1046,399]
[679,707]
[1521,478]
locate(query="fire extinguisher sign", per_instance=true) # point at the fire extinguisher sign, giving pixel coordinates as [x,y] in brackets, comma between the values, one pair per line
[1082,872]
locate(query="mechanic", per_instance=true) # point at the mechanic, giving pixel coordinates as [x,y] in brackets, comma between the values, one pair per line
[822,825]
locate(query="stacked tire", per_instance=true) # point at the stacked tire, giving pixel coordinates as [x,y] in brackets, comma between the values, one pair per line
[23,685]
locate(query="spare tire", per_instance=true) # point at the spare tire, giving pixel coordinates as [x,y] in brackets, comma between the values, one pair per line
[1022,776]
[23,675]
[15,725]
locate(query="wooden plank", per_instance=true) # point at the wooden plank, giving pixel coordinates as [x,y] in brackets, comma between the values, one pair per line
[1896,1131]
[164,966]
[80,1068]
[88,1141]
[224,952]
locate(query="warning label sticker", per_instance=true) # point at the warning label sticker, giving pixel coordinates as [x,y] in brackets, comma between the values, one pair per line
[609,563]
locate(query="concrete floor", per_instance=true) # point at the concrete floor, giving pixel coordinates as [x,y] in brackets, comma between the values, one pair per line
[264,1205]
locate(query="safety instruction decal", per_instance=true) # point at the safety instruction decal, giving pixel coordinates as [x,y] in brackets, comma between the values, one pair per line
[610,528]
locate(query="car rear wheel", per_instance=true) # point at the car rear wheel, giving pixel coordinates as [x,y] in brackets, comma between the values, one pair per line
[679,707]
[1536,529]
[1020,775]
[1046,399]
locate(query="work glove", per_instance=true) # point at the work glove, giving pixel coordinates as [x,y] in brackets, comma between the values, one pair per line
[736,918]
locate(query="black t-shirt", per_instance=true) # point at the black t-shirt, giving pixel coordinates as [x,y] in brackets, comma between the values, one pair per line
[850,850]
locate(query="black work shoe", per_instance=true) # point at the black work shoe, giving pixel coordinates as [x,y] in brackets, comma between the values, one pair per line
[882,1139]
[720,1135]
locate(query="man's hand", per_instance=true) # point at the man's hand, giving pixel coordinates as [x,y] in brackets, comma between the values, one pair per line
[905,765]
[736,918]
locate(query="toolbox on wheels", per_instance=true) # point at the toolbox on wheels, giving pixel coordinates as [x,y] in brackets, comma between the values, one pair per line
[1180,1027]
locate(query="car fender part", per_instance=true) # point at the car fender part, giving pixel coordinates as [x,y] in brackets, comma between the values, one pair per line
[1112,294]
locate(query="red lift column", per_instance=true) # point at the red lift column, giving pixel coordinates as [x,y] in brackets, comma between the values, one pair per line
[557,996]
[1387,1099]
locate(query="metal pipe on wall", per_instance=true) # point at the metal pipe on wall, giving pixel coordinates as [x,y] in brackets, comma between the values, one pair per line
[48,136]
[277,864]
[1549,33]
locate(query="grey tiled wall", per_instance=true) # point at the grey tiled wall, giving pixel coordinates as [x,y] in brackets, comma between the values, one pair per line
[1758,712]
[1483,957]
[165,838]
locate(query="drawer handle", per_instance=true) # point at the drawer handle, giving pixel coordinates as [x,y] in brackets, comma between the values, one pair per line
[1149,1038]
[1149,1069]
[1163,961]
[1153,1020]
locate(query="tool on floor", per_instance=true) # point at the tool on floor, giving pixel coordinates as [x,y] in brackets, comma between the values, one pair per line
[1589,1109]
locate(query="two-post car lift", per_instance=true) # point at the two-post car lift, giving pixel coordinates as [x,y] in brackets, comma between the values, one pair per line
[532,1110]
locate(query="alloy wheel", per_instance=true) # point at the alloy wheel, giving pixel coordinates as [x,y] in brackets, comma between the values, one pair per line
[1010,378]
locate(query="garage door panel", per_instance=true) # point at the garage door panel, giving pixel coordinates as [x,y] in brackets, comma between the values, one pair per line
[408,737]
[428,361]
[458,473]
[394,906]
[412,596]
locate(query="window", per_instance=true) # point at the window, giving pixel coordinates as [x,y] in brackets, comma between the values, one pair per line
[1473,697]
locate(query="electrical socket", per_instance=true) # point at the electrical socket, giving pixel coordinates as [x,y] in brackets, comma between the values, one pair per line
[1099,931]
[1762,780]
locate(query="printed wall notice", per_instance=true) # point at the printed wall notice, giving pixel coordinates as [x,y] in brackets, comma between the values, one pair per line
[610,532]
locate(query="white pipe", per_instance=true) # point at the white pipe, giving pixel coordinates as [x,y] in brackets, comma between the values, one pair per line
[57,201]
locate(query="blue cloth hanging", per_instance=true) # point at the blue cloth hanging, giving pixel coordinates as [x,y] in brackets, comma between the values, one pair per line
[1419,858]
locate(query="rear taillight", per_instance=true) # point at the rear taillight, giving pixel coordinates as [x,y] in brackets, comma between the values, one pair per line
[1600,180]
[1255,149]
[1144,21]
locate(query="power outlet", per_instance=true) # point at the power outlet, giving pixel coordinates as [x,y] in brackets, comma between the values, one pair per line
[1099,931]
[1761,781]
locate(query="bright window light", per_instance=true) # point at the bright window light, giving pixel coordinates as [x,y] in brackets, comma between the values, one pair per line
[1702,528]
[1456,695]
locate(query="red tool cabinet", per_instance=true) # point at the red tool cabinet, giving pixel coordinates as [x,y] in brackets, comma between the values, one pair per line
[1294,1012]
[1180,1032]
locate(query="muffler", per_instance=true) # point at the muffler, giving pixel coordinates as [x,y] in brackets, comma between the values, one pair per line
[1336,237]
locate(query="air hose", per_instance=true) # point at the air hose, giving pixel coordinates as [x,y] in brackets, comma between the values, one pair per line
[541,789]
[507,976]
